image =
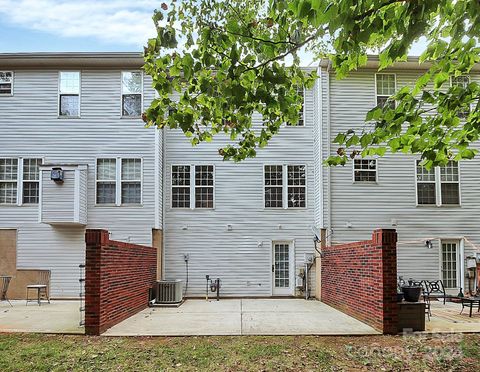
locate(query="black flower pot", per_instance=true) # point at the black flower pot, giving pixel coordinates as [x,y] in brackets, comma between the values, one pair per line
[411,293]
[399,296]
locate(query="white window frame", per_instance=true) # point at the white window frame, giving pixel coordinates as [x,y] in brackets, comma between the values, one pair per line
[11,84]
[118,182]
[302,112]
[438,188]
[122,94]
[285,185]
[19,181]
[375,83]
[469,81]
[21,187]
[365,182]
[119,175]
[193,186]
[60,116]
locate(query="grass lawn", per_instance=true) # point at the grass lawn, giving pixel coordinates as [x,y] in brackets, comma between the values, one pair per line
[19,352]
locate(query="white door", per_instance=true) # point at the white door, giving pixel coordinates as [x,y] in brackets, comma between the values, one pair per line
[450,264]
[282,269]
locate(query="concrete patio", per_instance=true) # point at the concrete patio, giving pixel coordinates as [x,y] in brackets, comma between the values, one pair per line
[56,317]
[447,319]
[242,317]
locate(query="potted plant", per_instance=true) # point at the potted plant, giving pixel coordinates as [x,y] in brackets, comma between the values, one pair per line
[411,292]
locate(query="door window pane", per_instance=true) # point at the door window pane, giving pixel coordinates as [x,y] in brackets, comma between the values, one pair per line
[449,265]
[282,266]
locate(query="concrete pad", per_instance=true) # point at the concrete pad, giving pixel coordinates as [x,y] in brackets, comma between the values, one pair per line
[242,317]
[56,317]
[447,319]
[298,317]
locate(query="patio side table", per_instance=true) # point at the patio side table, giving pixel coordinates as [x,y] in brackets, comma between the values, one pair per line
[469,302]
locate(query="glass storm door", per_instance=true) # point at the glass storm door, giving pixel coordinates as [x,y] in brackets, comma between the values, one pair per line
[282,269]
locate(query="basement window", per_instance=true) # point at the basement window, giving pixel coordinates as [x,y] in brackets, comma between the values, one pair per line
[69,94]
[132,82]
[6,83]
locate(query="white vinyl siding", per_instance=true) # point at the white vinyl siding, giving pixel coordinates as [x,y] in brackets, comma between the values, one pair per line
[385,87]
[69,94]
[365,170]
[6,83]
[132,97]
[439,185]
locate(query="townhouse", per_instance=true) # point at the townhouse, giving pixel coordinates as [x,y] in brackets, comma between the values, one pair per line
[74,154]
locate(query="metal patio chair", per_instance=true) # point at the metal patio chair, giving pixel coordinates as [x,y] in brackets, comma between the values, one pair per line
[436,290]
[42,287]
[4,283]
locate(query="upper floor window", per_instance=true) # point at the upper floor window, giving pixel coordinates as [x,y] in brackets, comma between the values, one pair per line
[301,119]
[184,190]
[69,94]
[19,177]
[132,82]
[6,83]
[385,87]
[439,185]
[285,186]
[119,181]
[461,81]
[365,170]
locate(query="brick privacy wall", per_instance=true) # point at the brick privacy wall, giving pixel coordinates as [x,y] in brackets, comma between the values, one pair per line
[360,279]
[117,278]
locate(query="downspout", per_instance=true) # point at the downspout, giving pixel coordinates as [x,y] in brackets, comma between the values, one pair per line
[164,191]
[329,178]
[320,144]
[157,179]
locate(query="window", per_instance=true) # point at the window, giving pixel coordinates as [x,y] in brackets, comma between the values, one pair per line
[461,81]
[19,181]
[301,119]
[6,83]
[296,186]
[449,264]
[132,93]
[365,170]
[119,181]
[69,94]
[273,186]
[202,189]
[131,181]
[106,181]
[276,194]
[204,186]
[439,185]
[31,181]
[8,181]
[385,88]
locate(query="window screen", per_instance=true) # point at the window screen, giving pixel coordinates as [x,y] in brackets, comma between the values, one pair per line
[296,186]
[273,175]
[106,181]
[204,186]
[8,181]
[6,83]
[365,170]
[31,177]
[132,93]
[385,85]
[181,186]
[69,93]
